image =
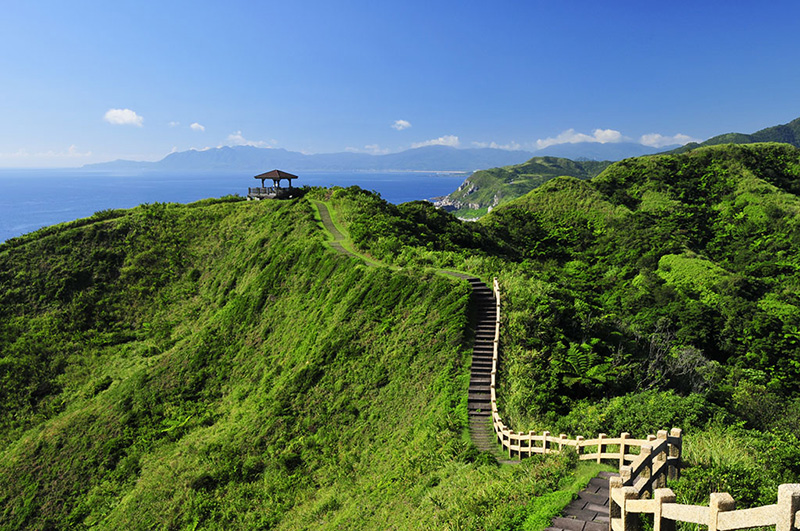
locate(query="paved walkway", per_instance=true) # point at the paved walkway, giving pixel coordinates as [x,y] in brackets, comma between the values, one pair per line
[589,512]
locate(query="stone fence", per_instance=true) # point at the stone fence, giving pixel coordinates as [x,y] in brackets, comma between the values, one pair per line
[645,465]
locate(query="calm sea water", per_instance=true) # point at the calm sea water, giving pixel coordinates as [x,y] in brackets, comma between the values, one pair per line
[31,199]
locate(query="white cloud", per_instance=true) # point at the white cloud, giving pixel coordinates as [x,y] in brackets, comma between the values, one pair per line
[570,136]
[401,124]
[71,152]
[197,127]
[657,140]
[447,140]
[373,149]
[174,124]
[123,117]
[41,159]
[236,139]
[511,146]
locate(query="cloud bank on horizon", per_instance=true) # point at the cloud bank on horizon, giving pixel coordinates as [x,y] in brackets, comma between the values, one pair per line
[605,136]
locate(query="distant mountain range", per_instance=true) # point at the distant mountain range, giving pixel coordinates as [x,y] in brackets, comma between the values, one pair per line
[429,158]
[253,159]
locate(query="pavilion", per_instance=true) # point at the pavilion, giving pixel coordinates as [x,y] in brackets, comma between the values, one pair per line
[274,191]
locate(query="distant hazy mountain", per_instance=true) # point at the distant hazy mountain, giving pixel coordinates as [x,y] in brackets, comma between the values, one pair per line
[253,159]
[596,151]
[785,133]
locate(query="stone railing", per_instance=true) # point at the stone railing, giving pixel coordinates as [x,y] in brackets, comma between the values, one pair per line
[645,465]
[657,455]
[625,508]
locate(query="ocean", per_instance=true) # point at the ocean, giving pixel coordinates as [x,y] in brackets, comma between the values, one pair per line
[31,199]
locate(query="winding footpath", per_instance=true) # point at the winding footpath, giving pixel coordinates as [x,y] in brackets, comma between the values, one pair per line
[330,226]
[589,511]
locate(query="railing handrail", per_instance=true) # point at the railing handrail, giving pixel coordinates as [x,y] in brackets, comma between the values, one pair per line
[529,443]
[646,472]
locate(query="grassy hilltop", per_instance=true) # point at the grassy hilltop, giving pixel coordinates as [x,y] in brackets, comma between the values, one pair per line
[216,365]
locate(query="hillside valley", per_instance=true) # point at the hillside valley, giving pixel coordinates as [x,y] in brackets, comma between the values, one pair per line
[220,365]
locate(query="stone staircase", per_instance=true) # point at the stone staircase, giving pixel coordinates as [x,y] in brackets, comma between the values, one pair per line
[479,400]
[589,511]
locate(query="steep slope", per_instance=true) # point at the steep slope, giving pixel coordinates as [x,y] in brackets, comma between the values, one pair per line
[488,188]
[663,292]
[217,366]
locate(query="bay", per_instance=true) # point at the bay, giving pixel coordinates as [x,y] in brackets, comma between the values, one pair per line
[31,199]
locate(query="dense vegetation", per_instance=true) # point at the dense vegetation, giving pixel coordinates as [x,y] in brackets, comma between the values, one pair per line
[485,189]
[216,365]
[663,292]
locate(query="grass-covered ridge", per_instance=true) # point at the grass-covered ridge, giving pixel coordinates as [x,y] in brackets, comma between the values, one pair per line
[216,365]
[661,293]
[485,189]
[784,133]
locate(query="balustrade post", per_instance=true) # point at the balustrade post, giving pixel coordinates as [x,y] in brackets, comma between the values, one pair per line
[661,461]
[531,435]
[623,448]
[625,473]
[675,451]
[788,507]
[720,502]
[579,446]
[510,437]
[545,435]
[600,446]
[663,496]
[648,470]
[562,438]
[630,521]
[614,509]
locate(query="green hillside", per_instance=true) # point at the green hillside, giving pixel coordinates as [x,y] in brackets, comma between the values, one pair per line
[486,189]
[663,292]
[784,133]
[217,366]
[220,366]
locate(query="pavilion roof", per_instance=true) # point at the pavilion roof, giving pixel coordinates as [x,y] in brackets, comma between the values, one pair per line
[276,174]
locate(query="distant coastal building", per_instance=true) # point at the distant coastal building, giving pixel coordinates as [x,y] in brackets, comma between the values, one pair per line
[275,191]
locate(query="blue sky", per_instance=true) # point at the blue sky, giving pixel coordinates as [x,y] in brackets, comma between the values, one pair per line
[84,82]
